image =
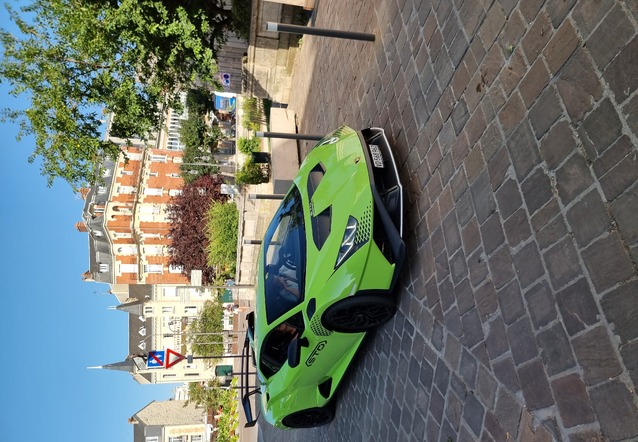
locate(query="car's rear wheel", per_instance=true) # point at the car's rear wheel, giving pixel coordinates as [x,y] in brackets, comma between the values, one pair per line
[359,313]
[311,417]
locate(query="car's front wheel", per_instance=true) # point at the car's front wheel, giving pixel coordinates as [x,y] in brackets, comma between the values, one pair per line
[359,313]
[311,417]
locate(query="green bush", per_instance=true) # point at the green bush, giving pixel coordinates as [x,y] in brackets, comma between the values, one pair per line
[252,114]
[251,173]
[229,420]
[248,145]
[221,228]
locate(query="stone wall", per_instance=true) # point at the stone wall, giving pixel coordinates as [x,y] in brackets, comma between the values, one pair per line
[230,61]
[270,54]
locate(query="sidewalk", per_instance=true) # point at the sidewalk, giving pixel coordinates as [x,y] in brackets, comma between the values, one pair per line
[515,126]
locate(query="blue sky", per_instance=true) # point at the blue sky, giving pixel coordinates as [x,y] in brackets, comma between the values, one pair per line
[54,325]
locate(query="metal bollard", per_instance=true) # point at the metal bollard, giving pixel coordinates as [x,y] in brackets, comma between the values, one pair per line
[288,136]
[295,29]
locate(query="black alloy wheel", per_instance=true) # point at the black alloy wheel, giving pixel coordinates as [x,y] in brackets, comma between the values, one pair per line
[312,417]
[359,313]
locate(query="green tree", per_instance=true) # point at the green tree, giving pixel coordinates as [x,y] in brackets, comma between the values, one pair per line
[229,420]
[205,334]
[248,145]
[209,394]
[199,101]
[128,57]
[200,142]
[222,225]
[251,173]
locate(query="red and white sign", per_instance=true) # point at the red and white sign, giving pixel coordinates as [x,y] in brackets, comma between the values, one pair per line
[172,357]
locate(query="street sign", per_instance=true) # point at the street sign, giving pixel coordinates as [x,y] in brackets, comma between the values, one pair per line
[172,358]
[163,358]
[155,359]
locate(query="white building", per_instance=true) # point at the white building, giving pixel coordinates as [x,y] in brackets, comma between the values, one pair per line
[159,316]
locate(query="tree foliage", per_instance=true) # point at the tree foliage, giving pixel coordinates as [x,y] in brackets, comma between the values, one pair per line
[199,101]
[251,173]
[205,332]
[208,394]
[200,142]
[72,58]
[221,228]
[248,145]
[187,214]
[229,420]
[199,139]
[212,396]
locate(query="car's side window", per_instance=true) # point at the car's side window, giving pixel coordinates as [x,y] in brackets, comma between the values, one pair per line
[284,258]
[274,350]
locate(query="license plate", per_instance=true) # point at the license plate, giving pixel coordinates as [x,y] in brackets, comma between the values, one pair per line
[377,158]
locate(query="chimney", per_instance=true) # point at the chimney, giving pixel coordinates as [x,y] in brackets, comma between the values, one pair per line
[84,191]
[132,421]
[81,227]
[87,276]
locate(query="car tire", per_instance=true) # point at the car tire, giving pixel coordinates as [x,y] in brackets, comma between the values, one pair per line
[359,313]
[309,418]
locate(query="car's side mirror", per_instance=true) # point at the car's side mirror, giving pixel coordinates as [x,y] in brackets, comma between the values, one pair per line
[294,351]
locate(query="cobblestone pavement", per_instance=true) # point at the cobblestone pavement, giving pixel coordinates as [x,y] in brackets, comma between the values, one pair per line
[515,125]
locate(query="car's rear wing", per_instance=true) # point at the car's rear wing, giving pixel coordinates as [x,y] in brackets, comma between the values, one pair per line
[246,361]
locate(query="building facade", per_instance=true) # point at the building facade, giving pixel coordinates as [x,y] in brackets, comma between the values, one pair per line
[171,421]
[159,316]
[126,217]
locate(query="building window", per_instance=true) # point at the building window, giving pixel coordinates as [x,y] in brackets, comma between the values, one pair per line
[153,209]
[177,160]
[125,190]
[176,439]
[101,190]
[190,310]
[175,192]
[134,156]
[98,233]
[148,310]
[153,268]
[169,292]
[127,250]
[104,268]
[175,269]
[127,172]
[197,438]
[168,309]
[158,158]
[128,268]
[153,191]
[152,439]
[154,250]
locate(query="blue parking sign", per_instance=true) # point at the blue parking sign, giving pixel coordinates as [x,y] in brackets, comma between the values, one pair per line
[155,359]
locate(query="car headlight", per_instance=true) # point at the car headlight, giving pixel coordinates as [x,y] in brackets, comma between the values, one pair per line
[348,244]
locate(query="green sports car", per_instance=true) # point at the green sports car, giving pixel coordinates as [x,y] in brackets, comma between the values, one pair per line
[329,262]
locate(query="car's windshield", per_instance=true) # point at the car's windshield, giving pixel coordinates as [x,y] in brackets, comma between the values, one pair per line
[285,258]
